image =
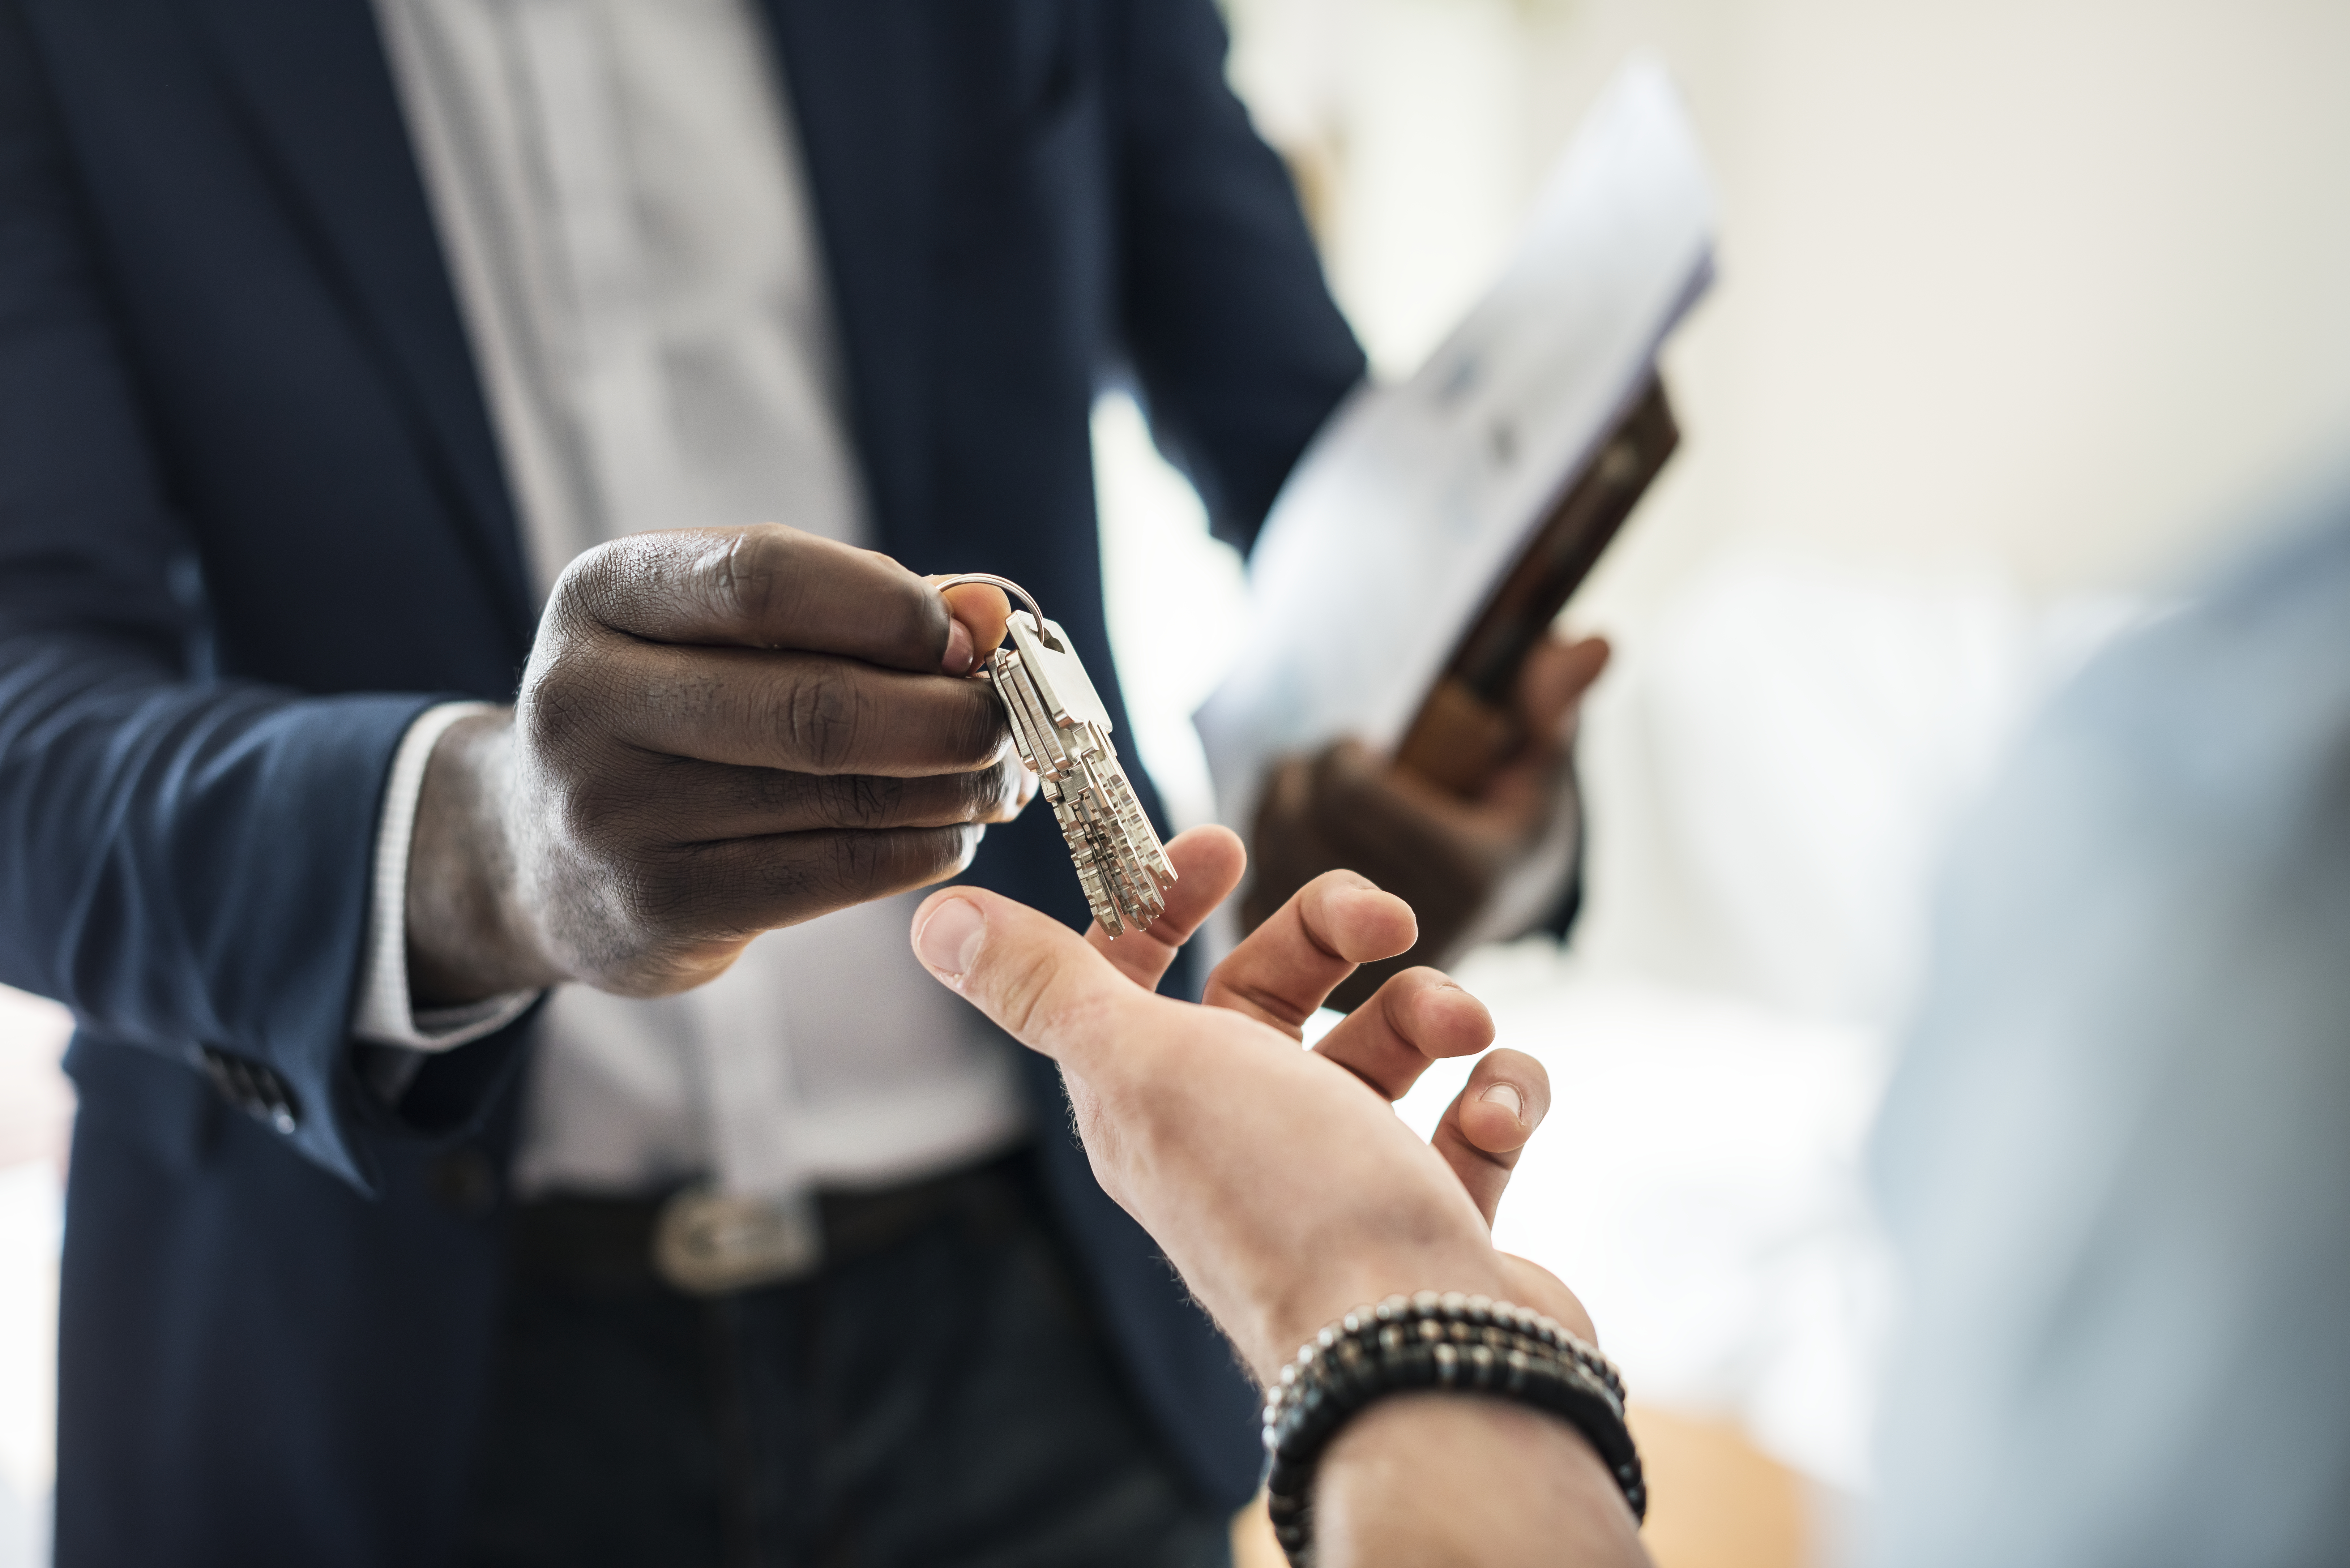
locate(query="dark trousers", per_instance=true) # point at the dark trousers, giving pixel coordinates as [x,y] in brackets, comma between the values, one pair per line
[941,1395]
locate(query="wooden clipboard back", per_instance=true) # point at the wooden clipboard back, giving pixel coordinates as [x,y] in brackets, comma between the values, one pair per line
[1468,726]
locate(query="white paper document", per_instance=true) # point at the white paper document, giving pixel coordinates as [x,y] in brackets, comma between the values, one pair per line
[1414,500]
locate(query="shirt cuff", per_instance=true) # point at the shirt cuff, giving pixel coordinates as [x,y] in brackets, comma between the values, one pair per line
[386,1015]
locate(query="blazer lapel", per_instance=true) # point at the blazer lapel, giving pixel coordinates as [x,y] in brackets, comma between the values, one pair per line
[317,87]
[860,79]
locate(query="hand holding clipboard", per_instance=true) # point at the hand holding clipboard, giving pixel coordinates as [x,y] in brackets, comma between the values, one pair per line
[1418,552]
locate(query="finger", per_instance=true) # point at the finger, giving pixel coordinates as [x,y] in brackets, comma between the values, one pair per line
[1486,1127]
[810,713]
[1208,865]
[1285,968]
[1397,809]
[709,896]
[763,586]
[1555,676]
[681,800]
[1518,800]
[1038,979]
[1416,1018]
[981,610]
[1369,800]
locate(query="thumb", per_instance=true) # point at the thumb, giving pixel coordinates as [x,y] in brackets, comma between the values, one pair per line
[1044,984]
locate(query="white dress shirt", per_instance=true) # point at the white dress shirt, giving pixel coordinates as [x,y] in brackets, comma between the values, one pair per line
[619,192]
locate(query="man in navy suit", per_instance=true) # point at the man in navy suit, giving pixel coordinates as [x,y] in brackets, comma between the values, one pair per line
[343,350]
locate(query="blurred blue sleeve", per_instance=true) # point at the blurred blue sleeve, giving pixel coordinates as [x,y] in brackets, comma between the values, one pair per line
[1239,350]
[2116,1158]
[186,859]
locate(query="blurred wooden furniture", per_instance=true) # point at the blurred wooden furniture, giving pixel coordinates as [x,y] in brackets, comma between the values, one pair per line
[1715,1501]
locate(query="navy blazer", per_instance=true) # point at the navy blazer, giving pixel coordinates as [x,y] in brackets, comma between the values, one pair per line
[253,521]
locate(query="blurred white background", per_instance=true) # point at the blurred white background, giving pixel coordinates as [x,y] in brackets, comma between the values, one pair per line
[36,1111]
[2024,310]
[2023,305]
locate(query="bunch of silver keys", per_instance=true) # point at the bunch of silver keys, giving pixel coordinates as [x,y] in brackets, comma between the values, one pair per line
[1062,732]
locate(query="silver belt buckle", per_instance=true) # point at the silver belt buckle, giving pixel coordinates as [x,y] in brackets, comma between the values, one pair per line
[708,1242]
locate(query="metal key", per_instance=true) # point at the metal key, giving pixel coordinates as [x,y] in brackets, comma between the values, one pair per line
[1062,732]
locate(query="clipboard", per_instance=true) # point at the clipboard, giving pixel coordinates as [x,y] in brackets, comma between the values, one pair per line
[1468,726]
[1435,525]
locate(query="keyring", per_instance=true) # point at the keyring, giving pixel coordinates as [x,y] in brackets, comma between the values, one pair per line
[1044,633]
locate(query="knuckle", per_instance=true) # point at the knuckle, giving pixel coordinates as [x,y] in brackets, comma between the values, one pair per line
[866,801]
[585,582]
[819,715]
[1024,991]
[745,578]
[562,705]
[1272,1001]
[1398,1003]
[877,801]
[1315,915]
[656,901]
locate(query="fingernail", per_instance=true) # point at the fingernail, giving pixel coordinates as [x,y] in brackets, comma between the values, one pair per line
[958,661]
[949,940]
[1507,1096]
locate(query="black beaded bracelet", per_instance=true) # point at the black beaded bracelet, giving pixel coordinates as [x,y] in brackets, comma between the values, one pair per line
[1472,1345]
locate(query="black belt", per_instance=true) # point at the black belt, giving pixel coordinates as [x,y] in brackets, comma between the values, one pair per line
[625,1245]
